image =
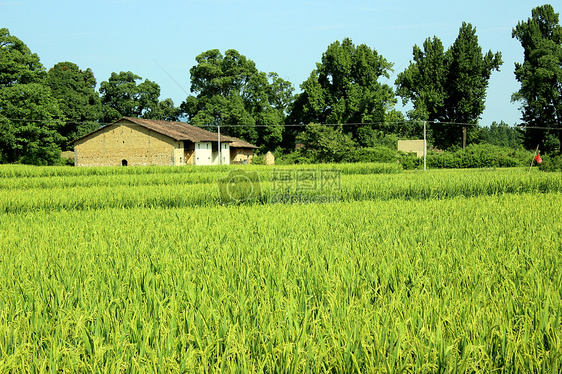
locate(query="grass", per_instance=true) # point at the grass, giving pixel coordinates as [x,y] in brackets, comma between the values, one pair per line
[445,271]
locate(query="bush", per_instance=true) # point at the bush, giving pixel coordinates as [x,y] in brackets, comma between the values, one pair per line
[479,156]
[257,160]
[409,161]
[296,157]
[372,154]
[551,162]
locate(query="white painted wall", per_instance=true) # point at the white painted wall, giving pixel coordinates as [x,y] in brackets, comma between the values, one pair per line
[203,154]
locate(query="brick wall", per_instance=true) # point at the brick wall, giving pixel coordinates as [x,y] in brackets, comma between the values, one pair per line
[241,155]
[132,143]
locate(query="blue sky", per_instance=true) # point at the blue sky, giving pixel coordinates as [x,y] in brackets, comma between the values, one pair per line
[286,37]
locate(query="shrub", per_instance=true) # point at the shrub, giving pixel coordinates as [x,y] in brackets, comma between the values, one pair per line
[372,154]
[479,156]
[551,162]
[409,161]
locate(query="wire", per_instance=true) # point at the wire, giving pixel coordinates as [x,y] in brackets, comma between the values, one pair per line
[301,124]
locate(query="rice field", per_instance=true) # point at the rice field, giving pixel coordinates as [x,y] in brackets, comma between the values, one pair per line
[150,270]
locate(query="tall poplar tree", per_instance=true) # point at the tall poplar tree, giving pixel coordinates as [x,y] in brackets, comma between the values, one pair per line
[540,75]
[449,87]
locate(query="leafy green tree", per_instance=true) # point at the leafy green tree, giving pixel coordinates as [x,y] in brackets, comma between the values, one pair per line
[17,64]
[503,135]
[121,96]
[165,110]
[345,88]
[424,82]
[29,124]
[268,98]
[75,90]
[29,115]
[228,90]
[449,88]
[325,143]
[540,75]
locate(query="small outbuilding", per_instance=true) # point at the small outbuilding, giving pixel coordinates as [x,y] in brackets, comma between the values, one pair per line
[241,152]
[411,146]
[136,141]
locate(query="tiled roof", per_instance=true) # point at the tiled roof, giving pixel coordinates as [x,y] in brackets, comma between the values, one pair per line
[239,143]
[179,131]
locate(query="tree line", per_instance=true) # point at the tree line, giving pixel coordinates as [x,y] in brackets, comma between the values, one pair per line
[43,111]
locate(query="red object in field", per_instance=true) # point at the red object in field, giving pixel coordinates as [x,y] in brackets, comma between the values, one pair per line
[538,158]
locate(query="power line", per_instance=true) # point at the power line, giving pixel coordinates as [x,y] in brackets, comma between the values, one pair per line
[418,122]
[180,86]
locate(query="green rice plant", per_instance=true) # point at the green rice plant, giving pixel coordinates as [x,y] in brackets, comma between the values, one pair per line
[436,285]
[203,189]
[442,271]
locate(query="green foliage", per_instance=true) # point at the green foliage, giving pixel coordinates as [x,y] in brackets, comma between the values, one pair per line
[368,136]
[297,157]
[325,143]
[479,156]
[502,135]
[449,86]
[29,120]
[230,91]
[17,64]
[345,88]
[424,82]
[75,90]
[372,154]
[551,162]
[165,110]
[540,74]
[410,161]
[121,96]
[29,115]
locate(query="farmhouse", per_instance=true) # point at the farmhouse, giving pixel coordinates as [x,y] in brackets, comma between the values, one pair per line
[135,141]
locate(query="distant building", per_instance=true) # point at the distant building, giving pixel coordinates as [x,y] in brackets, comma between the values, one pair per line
[241,152]
[135,141]
[269,158]
[411,146]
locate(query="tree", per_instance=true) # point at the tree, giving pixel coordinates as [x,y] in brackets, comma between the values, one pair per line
[345,88]
[165,110]
[17,64]
[29,115]
[75,90]
[230,91]
[325,143]
[501,134]
[268,98]
[449,88]
[29,119]
[121,96]
[424,81]
[540,75]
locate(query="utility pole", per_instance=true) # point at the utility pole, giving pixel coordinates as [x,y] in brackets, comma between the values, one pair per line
[219,140]
[424,145]
[463,137]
